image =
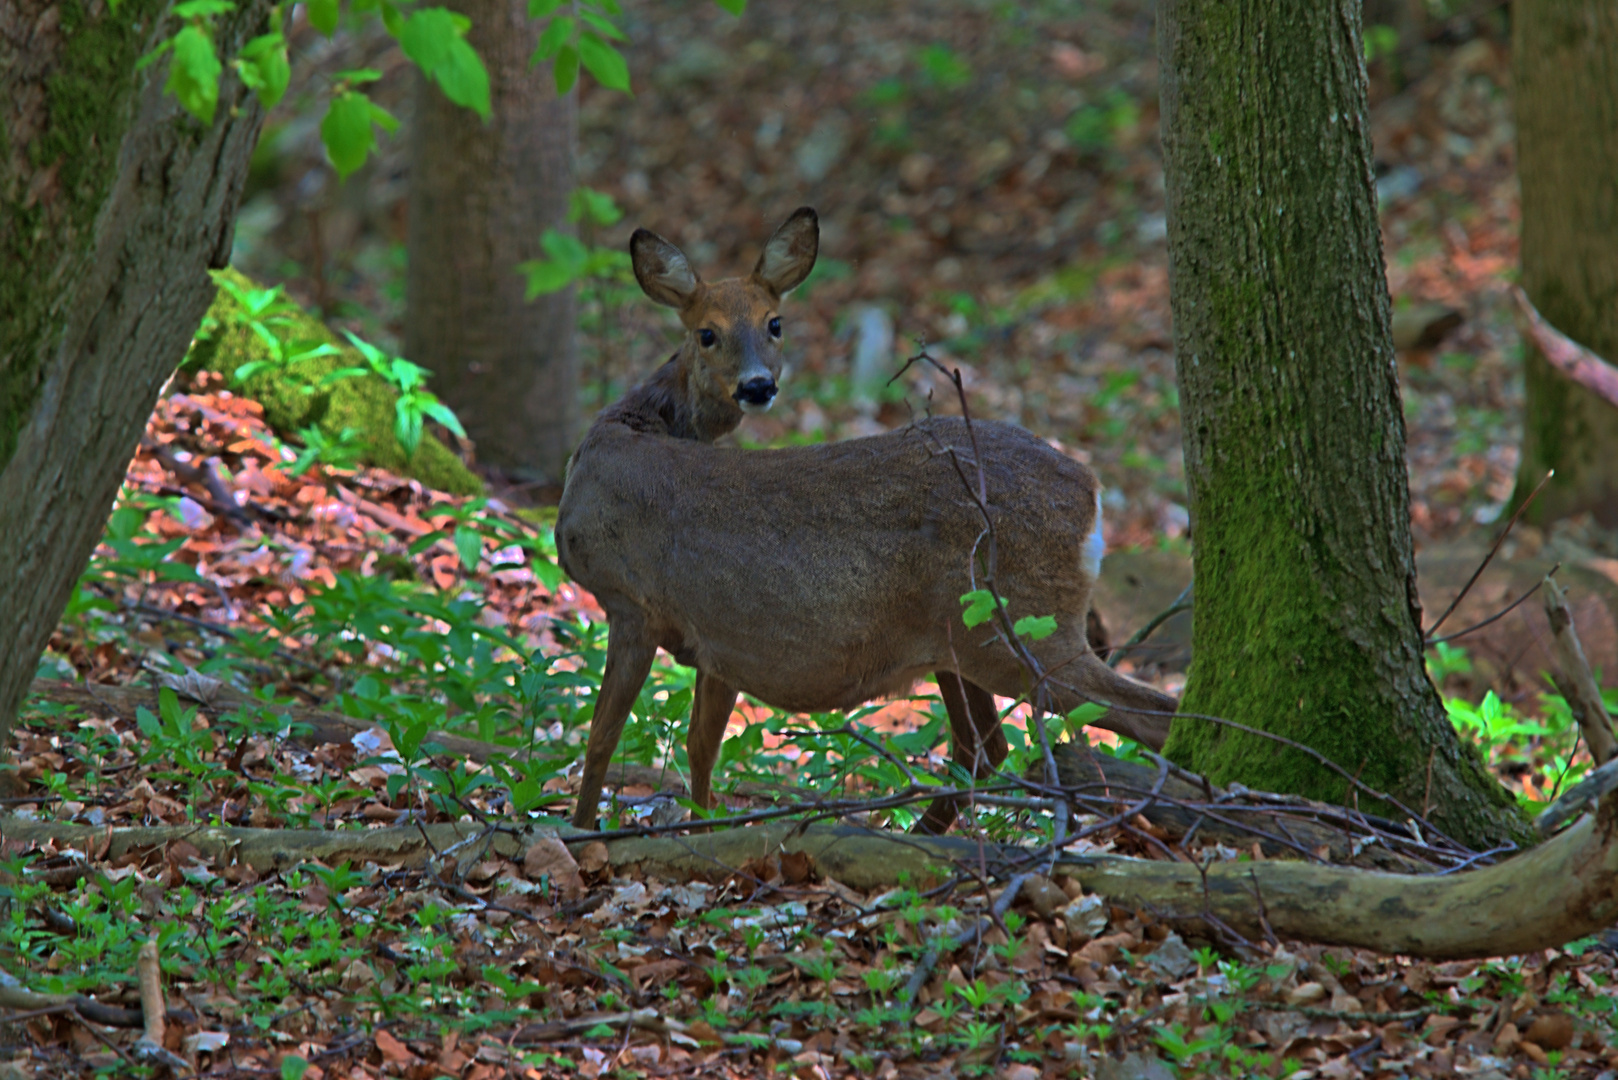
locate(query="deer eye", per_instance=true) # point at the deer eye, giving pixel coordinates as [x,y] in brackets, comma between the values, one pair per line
[775,327]
[707,337]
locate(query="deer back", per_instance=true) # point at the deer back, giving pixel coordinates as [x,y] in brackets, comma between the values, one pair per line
[820,577]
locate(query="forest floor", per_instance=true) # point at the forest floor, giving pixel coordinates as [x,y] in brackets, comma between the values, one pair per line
[989,180]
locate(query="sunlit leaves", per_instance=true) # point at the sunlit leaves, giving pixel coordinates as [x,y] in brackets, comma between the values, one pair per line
[194,73]
[323,15]
[348,130]
[264,69]
[434,39]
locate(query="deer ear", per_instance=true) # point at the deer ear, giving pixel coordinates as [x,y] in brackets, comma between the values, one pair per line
[790,254]
[662,269]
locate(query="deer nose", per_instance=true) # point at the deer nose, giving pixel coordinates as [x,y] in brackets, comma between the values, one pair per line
[757,392]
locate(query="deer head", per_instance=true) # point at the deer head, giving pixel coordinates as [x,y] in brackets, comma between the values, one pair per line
[731,358]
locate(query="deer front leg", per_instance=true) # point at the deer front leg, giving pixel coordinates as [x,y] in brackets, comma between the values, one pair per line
[629,661]
[711,706]
[976,742]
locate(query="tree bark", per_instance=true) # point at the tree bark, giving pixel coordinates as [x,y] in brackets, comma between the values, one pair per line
[113,204]
[1307,621]
[1565,72]
[481,197]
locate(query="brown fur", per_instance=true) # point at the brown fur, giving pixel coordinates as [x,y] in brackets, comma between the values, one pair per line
[818,578]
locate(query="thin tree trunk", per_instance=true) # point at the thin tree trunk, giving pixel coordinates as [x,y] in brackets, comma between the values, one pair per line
[1565,72]
[481,197]
[1307,622]
[113,204]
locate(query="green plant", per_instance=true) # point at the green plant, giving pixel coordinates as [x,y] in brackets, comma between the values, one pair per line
[414,404]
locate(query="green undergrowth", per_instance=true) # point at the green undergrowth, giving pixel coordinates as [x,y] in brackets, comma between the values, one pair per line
[297,380]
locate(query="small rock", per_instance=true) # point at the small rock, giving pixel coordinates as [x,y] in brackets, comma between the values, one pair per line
[1085,918]
[1045,897]
[1136,1066]
[1172,959]
[1307,993]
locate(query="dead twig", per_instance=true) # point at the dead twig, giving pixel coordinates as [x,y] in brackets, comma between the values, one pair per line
[1427,634]
[1578,683]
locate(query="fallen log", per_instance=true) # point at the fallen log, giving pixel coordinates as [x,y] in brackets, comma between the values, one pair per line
[1543,898]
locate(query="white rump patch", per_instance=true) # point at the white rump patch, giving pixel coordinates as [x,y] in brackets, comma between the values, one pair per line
[1095,545]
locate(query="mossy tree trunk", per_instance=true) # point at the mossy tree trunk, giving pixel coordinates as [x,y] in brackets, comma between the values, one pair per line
[113,204]
[1307,622]
[481,197]
[1565,75]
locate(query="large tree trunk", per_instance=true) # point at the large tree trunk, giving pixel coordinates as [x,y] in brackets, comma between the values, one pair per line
[113,204]
[1565,71]
[481,196]
[1307,623]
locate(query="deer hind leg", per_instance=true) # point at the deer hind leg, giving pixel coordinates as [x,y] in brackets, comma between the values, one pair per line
[711,707]
[629,661]
[976,742]
[1137,711]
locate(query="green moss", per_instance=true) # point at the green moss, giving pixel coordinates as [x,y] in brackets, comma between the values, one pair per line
[293,397]
[88,112]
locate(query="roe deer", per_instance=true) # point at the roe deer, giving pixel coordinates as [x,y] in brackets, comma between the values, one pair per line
[819,577]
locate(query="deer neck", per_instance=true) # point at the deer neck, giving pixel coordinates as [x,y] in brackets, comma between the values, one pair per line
[670,403]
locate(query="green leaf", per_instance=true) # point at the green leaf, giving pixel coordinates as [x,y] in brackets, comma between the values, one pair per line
[407,425]
[565,248]
[567,68]
[426,38]
[603,25]
[323,16]
[346,131]
[202,9]
[539,9]
[156,54]
[464,79]
[264,68]
[194,73]
[979,607]
[1037,627]
[596,207]
[356,76]
[392,21]
[735,7]
[468,548]
[444,415]
[557,34]
[383,119]
[545,276]
[604,62]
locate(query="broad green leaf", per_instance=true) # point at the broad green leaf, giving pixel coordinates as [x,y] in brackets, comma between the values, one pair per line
[407,426]
[735,7]
[604,62]
[384,119]
[565,248]
[1037,627]
[602,24]
[356,76]
[979,605]
[596,207]
[468,548]
[156,54]
[557,34]
[346,131]
[444,415]
[194,73]
[464,79]
[567,68]
[323,16]
[539,9]
[198,9]
[545,276]
[611,7]
[392,19]
[264,68]
[426,38]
